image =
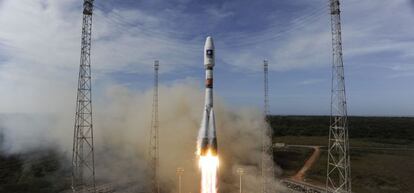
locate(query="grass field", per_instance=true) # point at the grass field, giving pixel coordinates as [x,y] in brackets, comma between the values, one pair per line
[382,155]
[373,170]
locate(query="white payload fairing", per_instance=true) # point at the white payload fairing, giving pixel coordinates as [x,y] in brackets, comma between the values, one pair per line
[207,140]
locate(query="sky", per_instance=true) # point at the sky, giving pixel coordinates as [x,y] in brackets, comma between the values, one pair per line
[40,49]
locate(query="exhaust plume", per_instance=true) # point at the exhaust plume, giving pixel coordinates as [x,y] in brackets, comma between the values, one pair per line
[122,124]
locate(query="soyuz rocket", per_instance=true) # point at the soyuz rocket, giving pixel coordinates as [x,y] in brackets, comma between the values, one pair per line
[207,140]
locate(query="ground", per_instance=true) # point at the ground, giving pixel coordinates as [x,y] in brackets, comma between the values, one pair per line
[373,170]
[382,156]
[382,150]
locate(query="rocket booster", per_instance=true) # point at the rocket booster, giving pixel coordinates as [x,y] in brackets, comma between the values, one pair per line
[207,140]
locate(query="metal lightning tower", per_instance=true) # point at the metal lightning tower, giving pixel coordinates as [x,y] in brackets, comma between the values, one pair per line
[83,168]
[267,170]
[154,144]
[338,179]
[266,88]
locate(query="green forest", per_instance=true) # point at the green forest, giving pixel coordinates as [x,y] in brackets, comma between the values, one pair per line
[398,130]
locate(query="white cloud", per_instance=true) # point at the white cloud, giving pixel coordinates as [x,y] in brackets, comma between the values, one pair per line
[40,44]
[311,81]
[372,27]
[218,13]
[303,47]
[369,28]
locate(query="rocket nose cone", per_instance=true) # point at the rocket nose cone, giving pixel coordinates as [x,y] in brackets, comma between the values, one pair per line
[209,43]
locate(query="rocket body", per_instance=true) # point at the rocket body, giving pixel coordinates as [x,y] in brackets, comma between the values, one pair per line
[207,133]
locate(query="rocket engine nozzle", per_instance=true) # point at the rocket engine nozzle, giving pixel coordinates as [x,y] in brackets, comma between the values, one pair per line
[208,147]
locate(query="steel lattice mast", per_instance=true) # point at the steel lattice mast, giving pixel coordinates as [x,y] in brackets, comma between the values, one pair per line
[154,143]
[267,169]
[339,167]
[83,166]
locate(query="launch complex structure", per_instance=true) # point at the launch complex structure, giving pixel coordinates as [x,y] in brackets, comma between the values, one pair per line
[153,152]
[83,160]
[338,179]
[267,163]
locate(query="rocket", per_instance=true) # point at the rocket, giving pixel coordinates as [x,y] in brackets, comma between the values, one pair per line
[207,140]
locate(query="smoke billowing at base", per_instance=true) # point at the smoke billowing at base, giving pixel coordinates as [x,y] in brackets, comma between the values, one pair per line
[122,120]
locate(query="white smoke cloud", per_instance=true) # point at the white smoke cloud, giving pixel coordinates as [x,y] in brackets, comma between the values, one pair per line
[180,110]
[122,125]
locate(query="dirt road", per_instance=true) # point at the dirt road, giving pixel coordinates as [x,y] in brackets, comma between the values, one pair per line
[300,175]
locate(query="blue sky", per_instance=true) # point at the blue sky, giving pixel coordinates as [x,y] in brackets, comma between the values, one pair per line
[39,51]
